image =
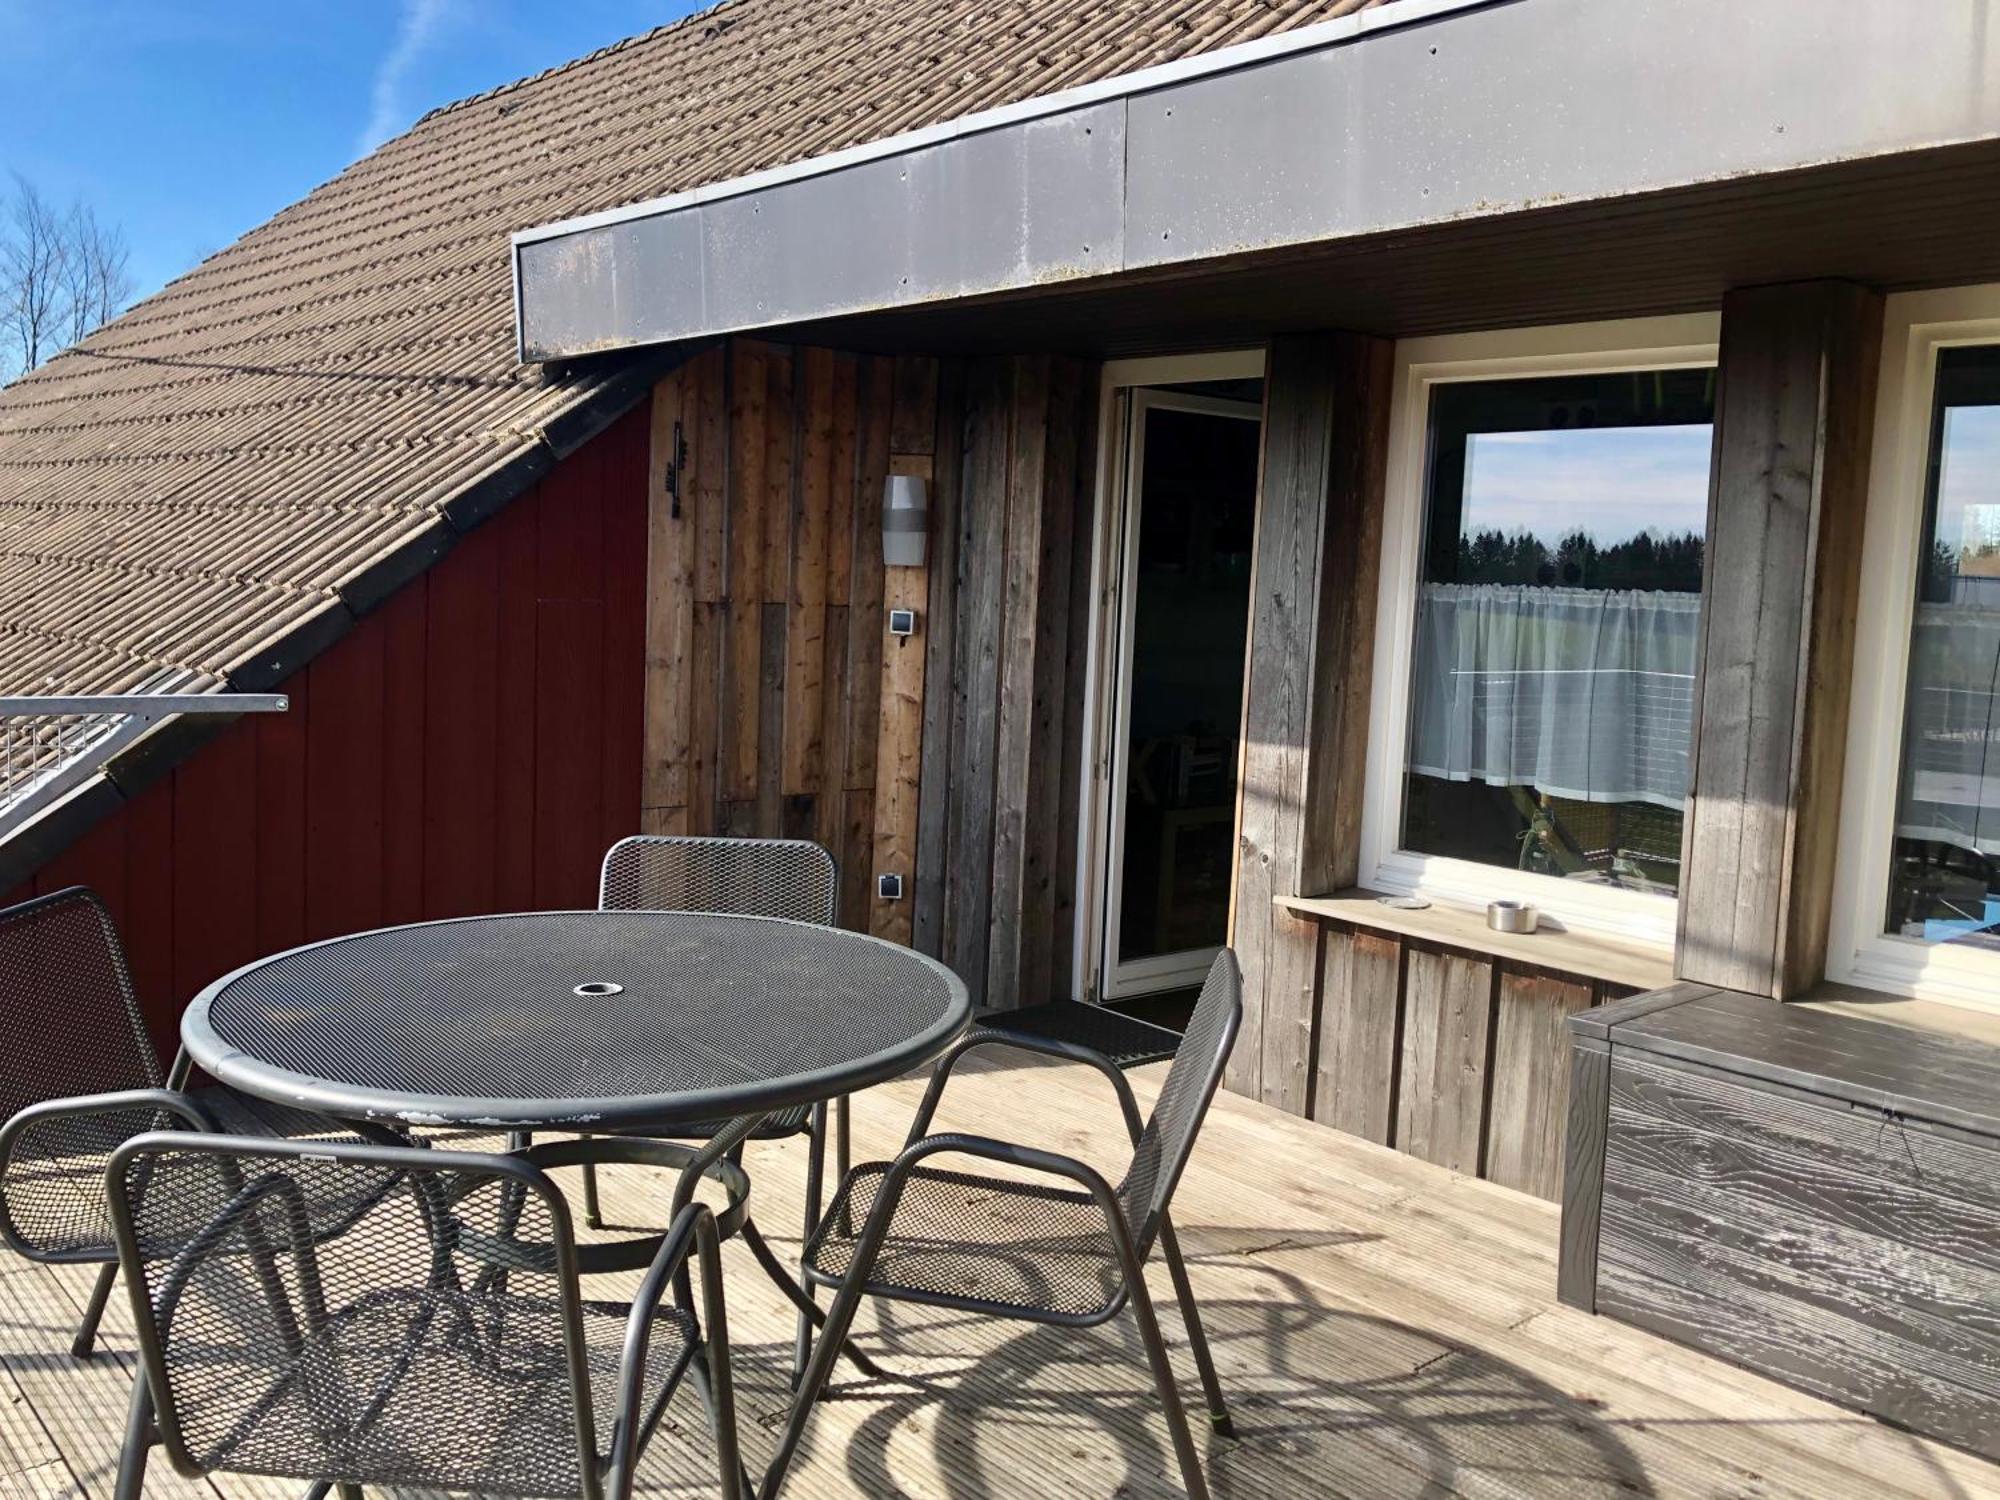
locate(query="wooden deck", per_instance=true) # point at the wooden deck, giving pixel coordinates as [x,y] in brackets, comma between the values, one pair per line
[1385,1328]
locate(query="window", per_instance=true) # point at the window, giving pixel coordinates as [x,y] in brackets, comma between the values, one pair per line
[1917,902]
[1944,868]
[1541,626]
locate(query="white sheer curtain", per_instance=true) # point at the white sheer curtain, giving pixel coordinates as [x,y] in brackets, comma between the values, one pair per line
[1950,789]
[1579,693]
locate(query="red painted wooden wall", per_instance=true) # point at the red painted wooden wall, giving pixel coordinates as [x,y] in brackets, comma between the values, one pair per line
[473,745]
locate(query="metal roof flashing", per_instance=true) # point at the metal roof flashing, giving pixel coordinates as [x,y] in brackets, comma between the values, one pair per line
[1453,110]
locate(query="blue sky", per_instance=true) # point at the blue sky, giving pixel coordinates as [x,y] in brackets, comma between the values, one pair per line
[190,121]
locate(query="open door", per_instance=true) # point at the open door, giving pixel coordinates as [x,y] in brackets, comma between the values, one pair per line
[1186,513]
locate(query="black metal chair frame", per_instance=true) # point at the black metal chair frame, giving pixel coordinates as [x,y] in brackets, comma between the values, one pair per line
[815,1125]
[1131,1248]
[606,1475]
[162,1098]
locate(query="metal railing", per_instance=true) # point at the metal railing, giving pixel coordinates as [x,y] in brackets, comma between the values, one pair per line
[51,743]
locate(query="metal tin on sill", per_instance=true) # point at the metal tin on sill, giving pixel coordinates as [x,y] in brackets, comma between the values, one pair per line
[1512,916]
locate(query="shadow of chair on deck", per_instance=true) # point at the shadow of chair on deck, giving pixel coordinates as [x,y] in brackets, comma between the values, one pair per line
[1327,1401]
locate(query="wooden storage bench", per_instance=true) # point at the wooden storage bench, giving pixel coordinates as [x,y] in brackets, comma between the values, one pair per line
[1813,1195]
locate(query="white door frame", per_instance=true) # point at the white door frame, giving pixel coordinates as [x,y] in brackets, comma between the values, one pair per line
[1113,554]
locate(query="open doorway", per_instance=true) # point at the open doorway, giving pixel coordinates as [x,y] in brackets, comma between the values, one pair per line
[1180,517]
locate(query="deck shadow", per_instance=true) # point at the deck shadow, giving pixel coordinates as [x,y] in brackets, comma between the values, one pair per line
[1326,1401]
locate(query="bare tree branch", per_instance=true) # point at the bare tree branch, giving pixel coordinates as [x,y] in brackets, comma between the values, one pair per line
[62,275]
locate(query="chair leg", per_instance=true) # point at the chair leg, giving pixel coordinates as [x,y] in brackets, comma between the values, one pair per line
[93,1312]
[842,1154]
[593,1211]
[1218,1409]
[815,1188]
[1192,1478]
[833,1334]
[131,1483]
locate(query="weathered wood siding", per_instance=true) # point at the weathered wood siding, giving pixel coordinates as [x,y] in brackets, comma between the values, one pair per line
[1445,1053]
[1794,413]
[1815,1196]
[999,763]
[1306,684]
[470,746]
[777,702]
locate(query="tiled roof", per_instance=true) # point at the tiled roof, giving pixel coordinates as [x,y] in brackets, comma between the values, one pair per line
[208,475]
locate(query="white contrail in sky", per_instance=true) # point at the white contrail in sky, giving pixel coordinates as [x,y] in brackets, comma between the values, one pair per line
[387,114]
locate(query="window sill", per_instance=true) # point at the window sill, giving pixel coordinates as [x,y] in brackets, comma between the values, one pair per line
[1589,954]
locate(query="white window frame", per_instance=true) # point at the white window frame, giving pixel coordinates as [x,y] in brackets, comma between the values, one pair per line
[1681,341]
[1118,378]
[1916,326]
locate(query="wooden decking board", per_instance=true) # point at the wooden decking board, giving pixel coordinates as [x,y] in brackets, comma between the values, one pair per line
[1383,1327]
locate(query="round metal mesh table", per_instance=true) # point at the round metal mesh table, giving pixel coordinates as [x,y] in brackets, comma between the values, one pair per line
[575,1020]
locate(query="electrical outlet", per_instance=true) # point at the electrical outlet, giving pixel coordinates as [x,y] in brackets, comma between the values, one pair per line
[889,887]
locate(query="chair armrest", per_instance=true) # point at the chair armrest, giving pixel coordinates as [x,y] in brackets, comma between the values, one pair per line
[149,1102]
[1008,1153]
[638,1411]
[986,1036]
[888,1197]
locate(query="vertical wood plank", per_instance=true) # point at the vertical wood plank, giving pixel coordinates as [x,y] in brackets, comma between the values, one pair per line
[898,762]
[709,638]
[805,635]
[1360,1010]
[670,582]
[1447,1011]
[1014,732]
[914,426]
[899,738]
[864,613]
[147,920]
[568,809]
[1794,414]
[976,673]
[215,915]
[1343,657]
[707,376]
[622,724]
[749,394]
[344,786]
[1525,1129]
[937,773]
[281,817]
[1583,1171]
[1305,684]
[770,710]
[855,836]
[1048,770]
[843,474]
[1075,675]
[830,808]
[518,530]
[405,700]
[782,434]
[464,734]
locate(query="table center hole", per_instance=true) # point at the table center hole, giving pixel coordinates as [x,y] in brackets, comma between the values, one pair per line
[599,987]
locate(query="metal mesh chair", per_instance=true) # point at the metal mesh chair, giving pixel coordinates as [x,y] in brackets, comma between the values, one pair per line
[1039,1251]
[1125,1040]
[78,1077]
[790,878]
[435,1337]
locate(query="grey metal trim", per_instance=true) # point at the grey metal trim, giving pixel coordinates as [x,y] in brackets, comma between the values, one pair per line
[146,704]
[236,1069]
[1305,38]
[1401,117]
